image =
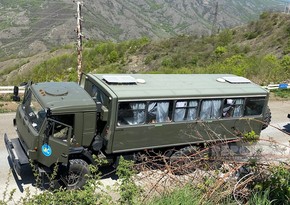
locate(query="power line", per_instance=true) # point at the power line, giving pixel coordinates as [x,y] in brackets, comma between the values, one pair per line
[215,18]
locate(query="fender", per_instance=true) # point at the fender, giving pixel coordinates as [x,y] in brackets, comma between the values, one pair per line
[82,153]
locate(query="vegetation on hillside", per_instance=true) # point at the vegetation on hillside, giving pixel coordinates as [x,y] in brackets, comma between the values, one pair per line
[258,51]
[28,27]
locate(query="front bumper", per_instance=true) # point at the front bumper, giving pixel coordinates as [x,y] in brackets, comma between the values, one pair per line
[17,154]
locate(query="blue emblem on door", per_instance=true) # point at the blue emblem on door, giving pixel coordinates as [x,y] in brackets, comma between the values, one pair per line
[46,150]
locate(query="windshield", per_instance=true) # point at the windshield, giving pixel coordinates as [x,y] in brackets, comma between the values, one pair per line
[33,110]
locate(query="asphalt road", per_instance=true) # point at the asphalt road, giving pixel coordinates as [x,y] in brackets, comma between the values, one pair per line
[10,181]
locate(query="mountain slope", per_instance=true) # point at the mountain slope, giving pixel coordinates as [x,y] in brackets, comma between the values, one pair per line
[259,51]
[33,26]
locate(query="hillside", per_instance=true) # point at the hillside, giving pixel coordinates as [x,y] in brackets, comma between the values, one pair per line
[33,26]
[259,51]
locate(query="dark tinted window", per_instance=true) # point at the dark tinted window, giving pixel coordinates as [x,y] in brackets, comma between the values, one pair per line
[131,113]
[254,106]
[233,107]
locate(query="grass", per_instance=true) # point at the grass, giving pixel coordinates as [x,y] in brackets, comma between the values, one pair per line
[282,93]
[187,195]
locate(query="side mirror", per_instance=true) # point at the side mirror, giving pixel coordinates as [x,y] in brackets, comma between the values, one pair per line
[288,115]
[16,94]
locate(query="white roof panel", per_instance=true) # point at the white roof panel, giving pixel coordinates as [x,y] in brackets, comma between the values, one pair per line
[127,79]
[236,79]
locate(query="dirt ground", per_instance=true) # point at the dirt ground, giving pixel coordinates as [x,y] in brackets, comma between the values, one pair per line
[8,106]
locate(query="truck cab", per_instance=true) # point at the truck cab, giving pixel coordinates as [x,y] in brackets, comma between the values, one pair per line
[56,124]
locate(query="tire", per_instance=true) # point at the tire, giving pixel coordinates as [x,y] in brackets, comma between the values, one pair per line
[267,118]
[77,174]
[186,160]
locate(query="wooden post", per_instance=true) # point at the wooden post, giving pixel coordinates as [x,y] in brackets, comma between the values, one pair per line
[79,36]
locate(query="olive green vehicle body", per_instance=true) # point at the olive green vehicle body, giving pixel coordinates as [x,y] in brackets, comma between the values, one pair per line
[61,99]
[94,126]
[173,87]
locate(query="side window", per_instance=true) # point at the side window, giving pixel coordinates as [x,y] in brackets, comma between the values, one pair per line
[60,131]
[210,109]
[159,111]
[233,107]
[131,113]
[254,106]
[185,110]
[87,85]
[61,125]
[95,92]
[134,113]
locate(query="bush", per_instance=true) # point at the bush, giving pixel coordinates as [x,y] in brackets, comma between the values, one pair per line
[251,35]
[282,93]
[128,190]
[220,50]
[265,15]
[276,184]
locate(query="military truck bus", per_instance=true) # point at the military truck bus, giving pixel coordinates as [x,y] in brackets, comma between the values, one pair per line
[109,115]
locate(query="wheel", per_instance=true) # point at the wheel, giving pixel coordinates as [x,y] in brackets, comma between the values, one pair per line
[267,118]
[186,160]
[77,174]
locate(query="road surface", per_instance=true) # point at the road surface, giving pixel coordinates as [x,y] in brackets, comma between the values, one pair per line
[279,110]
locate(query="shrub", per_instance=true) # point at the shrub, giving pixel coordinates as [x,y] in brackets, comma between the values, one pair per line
[277,183]
[128,190]
[220,50]
[167,62]
[265,15]
[282,93]
[225,37]
[251,35]
[251,137]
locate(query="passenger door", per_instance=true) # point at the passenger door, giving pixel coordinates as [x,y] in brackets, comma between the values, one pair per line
[55,143]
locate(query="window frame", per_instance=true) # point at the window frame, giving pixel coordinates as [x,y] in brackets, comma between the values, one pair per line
[187,108]
[216,113]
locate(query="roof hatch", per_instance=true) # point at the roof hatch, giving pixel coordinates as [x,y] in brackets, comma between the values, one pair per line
[236,79]
[59,91]
[119,79]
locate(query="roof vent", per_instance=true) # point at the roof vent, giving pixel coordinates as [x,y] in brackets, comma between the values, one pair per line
[236,79]
[59,91]
[221,80]
[141,81]
[119,79]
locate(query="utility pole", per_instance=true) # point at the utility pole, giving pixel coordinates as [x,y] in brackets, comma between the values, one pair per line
[287,8]
[213,28]
[79,36]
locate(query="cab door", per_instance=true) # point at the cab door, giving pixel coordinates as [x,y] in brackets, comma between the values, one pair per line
[55,142]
